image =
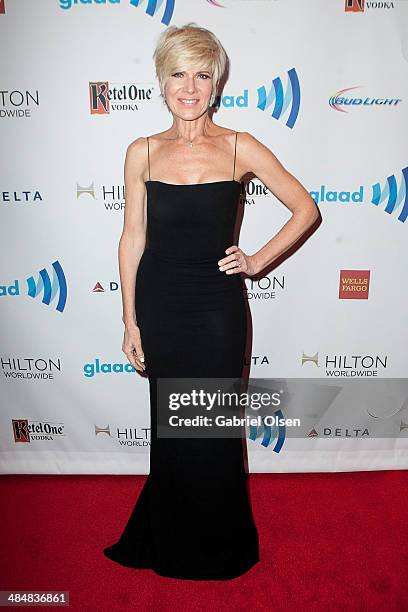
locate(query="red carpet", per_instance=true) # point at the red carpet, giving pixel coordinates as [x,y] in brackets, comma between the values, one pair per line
[328,542]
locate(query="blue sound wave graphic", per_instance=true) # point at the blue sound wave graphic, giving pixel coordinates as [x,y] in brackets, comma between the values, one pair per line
[49,289]
[282,101]
[269,433]
[154,5]
[396,197]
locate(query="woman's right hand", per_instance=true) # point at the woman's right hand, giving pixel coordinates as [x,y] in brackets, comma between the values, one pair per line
[132,347]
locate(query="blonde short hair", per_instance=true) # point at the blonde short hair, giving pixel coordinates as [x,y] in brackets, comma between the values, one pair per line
[188,46]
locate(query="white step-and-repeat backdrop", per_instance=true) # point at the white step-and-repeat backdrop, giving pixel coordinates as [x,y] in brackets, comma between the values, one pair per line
[324,84]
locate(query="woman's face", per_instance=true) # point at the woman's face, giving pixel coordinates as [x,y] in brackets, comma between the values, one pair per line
[188,93]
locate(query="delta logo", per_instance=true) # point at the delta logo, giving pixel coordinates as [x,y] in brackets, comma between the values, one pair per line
[103,288]
[105,97]
[359,431]
[51,290]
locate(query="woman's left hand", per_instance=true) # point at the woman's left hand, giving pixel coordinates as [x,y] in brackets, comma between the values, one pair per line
[237,261]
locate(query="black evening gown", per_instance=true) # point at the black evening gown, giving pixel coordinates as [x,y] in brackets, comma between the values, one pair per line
[193,517]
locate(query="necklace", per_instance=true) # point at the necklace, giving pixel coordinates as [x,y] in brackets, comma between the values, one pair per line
[190,142]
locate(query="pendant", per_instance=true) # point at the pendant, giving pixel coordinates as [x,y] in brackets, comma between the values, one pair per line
[190,143]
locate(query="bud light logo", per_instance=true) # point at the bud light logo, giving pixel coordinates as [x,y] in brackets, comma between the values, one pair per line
[340,99]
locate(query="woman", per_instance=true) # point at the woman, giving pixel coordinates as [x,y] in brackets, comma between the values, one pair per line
[184,311]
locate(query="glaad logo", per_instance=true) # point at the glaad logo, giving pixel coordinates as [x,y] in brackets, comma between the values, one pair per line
[28,431]
[113,195]
[43,286]
[127,436]
[348,365]
[152,8]
[396,197]
[274,97]
[280,99]
[90,369]
[104,98]
[269,433]
[339,99]
[67,4]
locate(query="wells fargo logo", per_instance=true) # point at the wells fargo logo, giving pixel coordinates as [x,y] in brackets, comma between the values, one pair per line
[354,284]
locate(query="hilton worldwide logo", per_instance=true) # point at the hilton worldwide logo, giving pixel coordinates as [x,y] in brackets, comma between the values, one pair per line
[112,196]
[126,436]
[350,366]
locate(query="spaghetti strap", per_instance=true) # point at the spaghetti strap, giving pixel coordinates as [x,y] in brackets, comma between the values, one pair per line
[148,156]
[235,155]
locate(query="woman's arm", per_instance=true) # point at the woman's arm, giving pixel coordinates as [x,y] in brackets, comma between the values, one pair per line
[257,158]
[133,239]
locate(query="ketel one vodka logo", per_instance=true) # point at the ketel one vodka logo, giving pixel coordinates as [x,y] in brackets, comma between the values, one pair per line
[105,98]
[358,6]
[354,6]
[28,431]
